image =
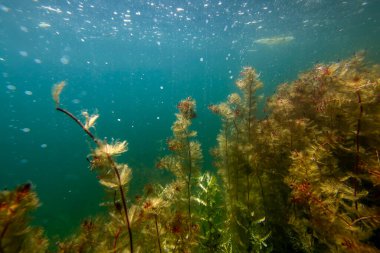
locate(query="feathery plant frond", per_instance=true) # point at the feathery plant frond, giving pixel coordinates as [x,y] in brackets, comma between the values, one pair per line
[16,235]
[111,174]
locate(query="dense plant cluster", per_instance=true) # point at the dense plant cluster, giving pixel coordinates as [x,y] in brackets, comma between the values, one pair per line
[305,178]
[16,235]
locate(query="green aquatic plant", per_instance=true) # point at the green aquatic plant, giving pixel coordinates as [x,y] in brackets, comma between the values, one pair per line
[235,141]
[210,213]
[333,174]
[186,155]
[184,162]
[305,178]
[89,238]
[238,163]
[16,235]
[151,215]
[112,175]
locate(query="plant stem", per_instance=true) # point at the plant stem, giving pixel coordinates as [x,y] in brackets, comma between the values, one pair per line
[158,234]
[114,167]
[365,218]
[226,163]
[357,157]
[79,123]
[116,238]
[189,181]
[122,200]
[249,118]
[3,234]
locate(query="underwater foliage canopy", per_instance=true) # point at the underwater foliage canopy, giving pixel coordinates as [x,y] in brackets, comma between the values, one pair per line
[305,178]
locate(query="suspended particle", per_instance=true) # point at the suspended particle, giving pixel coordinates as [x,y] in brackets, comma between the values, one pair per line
[4,8]
[23,53]
[24,29]
[11,87]
[44,25]
[25,130]
[65,59]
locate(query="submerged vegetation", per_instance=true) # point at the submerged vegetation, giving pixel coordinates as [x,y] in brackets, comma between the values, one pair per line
[304,178]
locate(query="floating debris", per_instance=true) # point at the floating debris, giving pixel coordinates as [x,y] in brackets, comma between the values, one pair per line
[25,130]
[24,29]
[4,8]
[11,87]
[65,60]
[49,8]
[275,40]
[23,53]
[44,25]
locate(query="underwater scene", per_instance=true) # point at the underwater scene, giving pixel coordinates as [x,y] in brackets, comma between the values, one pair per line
[190,126]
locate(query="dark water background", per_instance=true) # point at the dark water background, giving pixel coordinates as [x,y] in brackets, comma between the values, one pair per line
[133,61]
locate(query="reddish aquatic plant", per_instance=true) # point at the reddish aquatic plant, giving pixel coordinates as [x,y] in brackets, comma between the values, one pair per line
[160,164]
[174,145]
[214,109]
[178,224]
[187,108]
[23,191]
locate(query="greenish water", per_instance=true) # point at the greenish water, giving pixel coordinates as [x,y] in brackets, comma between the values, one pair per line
[133,61]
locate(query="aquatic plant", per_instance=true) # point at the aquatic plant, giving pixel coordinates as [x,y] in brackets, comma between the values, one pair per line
[210,213]
[305,178]
[237,134]
[237,160]
[16,235]
[152,212]
[90,238]
[184,162]
[112,175]
[334,166]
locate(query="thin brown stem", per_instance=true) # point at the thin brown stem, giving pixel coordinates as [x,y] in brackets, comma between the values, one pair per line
[357,157]
[116,238]
[226,161]
[248,189]
[114,167]
[124,202]
[189,181]
[157,233]
[79,123]
[3,232]
[365,218]
[262,192]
